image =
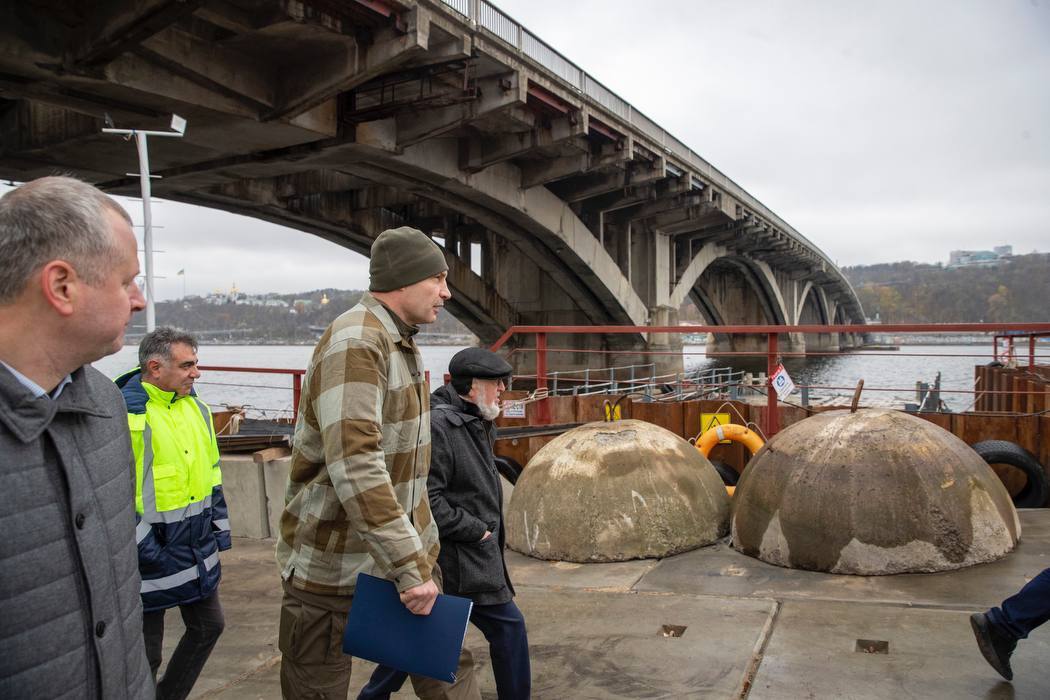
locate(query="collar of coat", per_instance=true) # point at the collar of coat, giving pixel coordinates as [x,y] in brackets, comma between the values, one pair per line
[393,323]
[27,416]
[138,393]
[455,407]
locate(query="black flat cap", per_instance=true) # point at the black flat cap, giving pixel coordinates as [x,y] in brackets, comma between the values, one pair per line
[480,363]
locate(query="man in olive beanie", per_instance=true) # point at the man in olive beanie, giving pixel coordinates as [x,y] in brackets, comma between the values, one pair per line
[356,498]
[403,256]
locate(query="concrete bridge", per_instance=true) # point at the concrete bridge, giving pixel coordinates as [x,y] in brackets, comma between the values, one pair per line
[555,200]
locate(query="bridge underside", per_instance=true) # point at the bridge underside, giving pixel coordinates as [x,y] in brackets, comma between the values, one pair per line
[342,121]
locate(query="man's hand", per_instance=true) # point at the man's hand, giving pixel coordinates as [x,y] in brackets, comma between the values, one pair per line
[420,599]
[485,536]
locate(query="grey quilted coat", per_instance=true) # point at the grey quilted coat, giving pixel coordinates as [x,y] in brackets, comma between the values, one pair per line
[70,614]
[466,498]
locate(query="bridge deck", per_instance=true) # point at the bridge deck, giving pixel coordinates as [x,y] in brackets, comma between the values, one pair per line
[595,629]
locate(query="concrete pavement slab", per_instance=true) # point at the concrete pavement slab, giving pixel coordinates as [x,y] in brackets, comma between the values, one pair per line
[813,652]
[721,570]
[622,576]
[250,592]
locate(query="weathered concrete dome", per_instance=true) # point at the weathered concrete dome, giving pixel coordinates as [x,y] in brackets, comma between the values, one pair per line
[615,491]
[871,492]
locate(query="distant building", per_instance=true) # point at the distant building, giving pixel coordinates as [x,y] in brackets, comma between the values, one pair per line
[980,258]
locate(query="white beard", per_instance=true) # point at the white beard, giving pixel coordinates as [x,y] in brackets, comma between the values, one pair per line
[489,411]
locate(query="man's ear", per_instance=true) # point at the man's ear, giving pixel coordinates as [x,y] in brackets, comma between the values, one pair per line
[61,286]
[152,366]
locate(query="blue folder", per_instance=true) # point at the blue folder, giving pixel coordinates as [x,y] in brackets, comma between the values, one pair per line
[381,629]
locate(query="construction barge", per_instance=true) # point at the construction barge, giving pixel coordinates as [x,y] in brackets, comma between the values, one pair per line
[711,622]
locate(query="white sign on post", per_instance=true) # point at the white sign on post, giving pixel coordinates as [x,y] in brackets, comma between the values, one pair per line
[782,383]
[514,409]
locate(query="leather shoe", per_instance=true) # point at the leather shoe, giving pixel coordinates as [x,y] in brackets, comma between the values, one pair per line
[995,645]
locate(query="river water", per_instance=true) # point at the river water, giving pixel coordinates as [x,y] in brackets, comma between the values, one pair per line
[270,395]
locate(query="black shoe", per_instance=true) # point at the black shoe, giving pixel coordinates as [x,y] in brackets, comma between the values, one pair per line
[994,644]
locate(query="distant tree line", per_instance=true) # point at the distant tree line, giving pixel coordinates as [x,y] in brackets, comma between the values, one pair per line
[906,292]
[271,324]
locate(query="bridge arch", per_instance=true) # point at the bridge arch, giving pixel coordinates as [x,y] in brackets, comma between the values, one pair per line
[474,130]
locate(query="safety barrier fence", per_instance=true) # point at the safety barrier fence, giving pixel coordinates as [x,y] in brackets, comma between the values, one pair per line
[774,356]
[1006,401]
[296,376]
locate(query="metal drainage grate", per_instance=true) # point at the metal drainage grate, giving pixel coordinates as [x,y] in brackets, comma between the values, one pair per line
[672,630]
[872,646]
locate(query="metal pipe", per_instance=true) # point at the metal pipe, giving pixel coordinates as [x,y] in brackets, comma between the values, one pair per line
[147,228]
[772,416]
[543,409]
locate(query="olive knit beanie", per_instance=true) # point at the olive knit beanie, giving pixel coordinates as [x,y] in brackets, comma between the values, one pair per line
[403,256]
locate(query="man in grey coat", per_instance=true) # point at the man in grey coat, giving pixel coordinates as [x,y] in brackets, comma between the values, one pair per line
[466,498]
[70,614]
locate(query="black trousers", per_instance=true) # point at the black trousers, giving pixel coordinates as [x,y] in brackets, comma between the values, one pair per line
[204,623]
[504,628]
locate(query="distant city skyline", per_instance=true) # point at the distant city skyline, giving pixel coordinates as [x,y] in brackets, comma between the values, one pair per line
[882,132]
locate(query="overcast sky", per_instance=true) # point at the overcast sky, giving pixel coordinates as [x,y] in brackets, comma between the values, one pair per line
[882,131]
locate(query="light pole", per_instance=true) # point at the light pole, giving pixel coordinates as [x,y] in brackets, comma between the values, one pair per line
[178,128]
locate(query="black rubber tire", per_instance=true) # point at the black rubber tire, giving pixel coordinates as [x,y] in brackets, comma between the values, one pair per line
[1035,491]
[508,468]
[728,474]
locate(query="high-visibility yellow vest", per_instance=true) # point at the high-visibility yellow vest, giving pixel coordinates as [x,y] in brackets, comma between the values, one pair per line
[176,455]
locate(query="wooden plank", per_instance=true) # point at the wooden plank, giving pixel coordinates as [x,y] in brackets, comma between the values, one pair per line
[1028,434]
[666,415]
[942,420]
[517,449]
[270,454]
[1044,442]
[972,428]
[592,408]
[790,415]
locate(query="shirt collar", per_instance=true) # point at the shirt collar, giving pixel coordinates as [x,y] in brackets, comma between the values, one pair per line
[406,330]
[35,388]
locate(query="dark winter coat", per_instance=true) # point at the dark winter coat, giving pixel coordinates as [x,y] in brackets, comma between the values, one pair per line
[70,616]
[466,498]
[183,525]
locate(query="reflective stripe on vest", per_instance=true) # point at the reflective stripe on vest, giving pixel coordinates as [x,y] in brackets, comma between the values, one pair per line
[178,579]
[142,531]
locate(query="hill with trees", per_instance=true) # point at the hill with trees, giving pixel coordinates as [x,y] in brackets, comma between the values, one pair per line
[273,318]
[1017,289]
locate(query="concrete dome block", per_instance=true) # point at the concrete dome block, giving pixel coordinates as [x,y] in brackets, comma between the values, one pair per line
[871,492]
[616,491]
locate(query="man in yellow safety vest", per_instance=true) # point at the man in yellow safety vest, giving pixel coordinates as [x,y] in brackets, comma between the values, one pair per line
[182,518]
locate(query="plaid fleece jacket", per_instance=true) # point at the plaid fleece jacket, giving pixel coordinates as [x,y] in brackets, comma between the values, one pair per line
[357,492]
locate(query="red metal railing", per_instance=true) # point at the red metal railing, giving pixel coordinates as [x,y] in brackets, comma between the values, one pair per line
[772,333]
[297,379]
[1008,352]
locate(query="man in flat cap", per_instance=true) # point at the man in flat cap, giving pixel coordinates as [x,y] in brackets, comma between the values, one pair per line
[466,498]
[357,498]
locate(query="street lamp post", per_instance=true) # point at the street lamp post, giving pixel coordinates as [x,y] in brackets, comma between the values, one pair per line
[178,128]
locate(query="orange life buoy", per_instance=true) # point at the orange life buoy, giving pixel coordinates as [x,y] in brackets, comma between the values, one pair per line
[731,431]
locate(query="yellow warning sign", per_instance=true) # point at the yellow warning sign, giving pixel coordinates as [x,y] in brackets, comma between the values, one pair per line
[612,413]
[710,420]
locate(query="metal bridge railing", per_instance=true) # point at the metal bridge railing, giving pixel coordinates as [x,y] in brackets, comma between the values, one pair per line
[487,16]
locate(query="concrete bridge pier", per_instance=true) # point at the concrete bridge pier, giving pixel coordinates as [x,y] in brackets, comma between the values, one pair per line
[758,344]
[572,359]
[821,342]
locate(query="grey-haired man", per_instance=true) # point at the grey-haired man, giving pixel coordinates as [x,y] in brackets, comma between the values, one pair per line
[70,615]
